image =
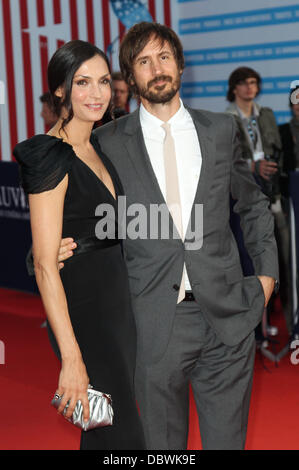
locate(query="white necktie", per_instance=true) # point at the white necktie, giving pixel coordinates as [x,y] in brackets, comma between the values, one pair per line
[173,199]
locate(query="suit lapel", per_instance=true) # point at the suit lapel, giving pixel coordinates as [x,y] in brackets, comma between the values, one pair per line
[208,153]
[137,151]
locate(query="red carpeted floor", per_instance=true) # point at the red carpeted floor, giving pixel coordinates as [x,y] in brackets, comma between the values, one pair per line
[28,380]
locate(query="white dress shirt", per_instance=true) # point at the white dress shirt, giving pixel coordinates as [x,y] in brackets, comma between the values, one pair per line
[188,156]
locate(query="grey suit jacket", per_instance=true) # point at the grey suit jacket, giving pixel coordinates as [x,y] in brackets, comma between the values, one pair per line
[231,304]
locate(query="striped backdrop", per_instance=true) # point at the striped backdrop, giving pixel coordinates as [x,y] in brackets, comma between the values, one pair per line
[30,32]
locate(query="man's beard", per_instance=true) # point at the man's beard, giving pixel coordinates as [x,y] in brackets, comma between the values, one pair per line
[158,95]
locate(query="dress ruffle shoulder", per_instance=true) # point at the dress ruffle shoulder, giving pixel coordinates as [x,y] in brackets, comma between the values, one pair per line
[44,161]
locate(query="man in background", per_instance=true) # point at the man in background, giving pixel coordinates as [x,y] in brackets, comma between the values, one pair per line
[120,99]
[47,113]
[261,145]
[121,91]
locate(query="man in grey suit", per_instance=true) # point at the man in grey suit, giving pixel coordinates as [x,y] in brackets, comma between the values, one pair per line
[207,339]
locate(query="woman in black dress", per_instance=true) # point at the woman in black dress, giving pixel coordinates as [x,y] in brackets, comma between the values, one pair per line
[90,319]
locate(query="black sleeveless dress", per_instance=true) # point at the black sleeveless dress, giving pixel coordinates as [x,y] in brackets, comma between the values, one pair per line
[95,282]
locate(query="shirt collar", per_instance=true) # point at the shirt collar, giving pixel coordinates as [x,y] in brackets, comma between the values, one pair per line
[148,120]
[255,112]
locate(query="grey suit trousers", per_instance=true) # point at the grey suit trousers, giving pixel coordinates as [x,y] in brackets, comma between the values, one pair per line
[221,380]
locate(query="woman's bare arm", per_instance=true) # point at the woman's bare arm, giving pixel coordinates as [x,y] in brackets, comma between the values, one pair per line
[46,216]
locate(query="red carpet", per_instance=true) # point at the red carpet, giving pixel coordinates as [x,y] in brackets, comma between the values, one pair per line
[29,379]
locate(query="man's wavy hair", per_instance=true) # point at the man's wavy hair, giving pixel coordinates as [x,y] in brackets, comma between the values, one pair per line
[135,41]
[239,75]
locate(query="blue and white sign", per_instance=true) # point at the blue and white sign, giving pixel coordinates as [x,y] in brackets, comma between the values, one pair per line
[219,36]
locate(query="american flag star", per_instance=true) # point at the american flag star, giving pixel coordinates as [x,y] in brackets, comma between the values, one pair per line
[130,12]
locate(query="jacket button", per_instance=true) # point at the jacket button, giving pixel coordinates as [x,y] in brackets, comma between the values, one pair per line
[176,287]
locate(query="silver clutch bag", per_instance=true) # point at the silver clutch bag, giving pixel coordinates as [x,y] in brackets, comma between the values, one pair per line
[100,410]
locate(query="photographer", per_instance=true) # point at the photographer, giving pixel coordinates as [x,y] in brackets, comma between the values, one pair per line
[262,149]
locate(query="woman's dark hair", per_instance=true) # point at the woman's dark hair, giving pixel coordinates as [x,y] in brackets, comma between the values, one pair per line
[137,38]
[239,75]
[62,68]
